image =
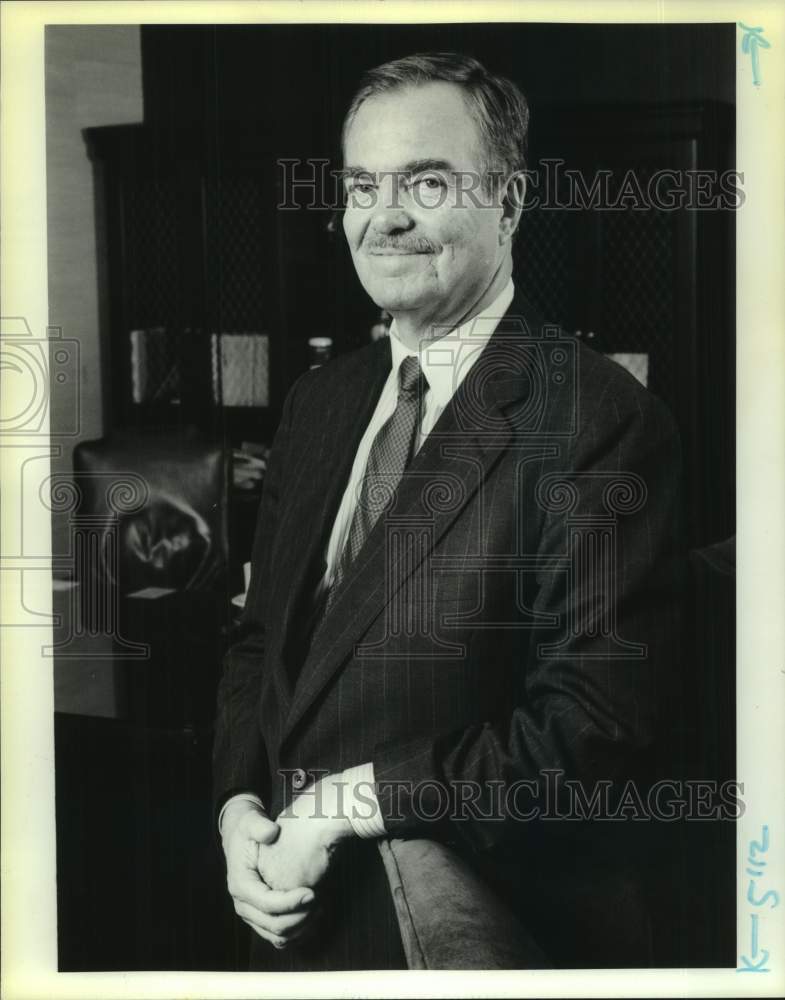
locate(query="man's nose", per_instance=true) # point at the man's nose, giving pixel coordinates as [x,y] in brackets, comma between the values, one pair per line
[389,219]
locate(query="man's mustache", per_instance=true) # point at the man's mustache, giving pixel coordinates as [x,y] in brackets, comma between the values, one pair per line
[410,244]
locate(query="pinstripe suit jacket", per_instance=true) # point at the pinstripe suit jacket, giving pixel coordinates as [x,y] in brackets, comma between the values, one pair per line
[510,616]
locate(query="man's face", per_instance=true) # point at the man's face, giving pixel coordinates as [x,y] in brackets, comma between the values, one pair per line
[418,241]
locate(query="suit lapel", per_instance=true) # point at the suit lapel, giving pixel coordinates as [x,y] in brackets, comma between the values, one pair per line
[455,459]
[324,467]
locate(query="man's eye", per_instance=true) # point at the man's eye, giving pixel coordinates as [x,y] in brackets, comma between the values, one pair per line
[431,182]
[357,186]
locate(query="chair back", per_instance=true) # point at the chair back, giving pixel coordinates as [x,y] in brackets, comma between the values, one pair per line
[158,504]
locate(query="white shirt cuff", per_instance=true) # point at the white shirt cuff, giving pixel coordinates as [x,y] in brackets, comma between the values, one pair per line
[362,804]
[241,797]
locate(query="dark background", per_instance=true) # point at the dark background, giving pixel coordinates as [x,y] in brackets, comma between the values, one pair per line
[190,238]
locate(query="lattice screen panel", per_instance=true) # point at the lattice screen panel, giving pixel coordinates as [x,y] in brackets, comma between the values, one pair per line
[636,306]
[241,249]
[543,268]
[150,234]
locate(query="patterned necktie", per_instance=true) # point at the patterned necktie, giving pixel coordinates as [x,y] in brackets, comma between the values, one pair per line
[390,453]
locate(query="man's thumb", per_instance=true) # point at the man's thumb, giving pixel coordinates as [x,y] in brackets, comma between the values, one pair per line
[262,829]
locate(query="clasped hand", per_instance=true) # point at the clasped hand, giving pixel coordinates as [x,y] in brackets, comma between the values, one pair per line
[272,867]
[310,830]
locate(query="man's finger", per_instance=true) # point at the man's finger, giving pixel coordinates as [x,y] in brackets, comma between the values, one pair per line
[274,939]
[272,901]
[287,926]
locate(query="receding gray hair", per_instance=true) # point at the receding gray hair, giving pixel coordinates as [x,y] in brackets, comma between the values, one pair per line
[497,105]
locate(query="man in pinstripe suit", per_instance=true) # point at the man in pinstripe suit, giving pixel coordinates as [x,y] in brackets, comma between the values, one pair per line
[462,576]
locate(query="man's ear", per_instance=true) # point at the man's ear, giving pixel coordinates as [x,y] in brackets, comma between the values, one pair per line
[512,196]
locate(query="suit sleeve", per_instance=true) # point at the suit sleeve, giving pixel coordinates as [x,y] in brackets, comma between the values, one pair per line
[587,704]
[239,756]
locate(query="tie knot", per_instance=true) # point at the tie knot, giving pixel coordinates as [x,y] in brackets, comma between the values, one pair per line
[411,380]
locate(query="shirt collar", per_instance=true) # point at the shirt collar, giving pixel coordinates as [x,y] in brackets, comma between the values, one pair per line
[438,365]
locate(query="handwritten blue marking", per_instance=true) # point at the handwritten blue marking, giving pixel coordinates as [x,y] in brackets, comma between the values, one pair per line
[762,845]
[760,902]
[751,41]
[771,896]
[749,964]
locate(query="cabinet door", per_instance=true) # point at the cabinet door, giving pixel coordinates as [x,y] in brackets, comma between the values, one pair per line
[603,254]
[190,249]
[243,296]
[150,238]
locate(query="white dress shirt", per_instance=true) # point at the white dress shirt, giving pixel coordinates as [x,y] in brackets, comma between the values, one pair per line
[445,366]
[443,376]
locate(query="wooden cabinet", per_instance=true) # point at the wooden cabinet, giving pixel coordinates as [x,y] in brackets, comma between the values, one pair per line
[602,252]
[188,242]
